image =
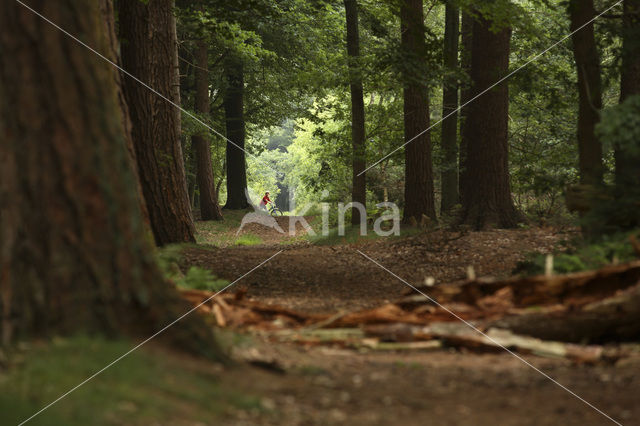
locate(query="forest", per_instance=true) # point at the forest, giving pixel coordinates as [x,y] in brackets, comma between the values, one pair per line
[319,212]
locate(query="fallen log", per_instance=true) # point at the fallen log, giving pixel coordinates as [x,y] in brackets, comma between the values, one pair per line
[536,314]
[615,318]
[574,289]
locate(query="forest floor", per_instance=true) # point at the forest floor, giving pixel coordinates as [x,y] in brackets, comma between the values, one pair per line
[333,385]
[327,384]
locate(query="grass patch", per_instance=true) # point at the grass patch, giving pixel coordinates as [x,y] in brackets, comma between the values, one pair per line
[248,240]
[143,388]
[223,234]
[220,233]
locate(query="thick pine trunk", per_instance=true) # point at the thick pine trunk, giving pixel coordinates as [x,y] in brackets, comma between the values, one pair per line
[418,186]
[209,208]
[359,189]
[149,52]
[466,33]
[234,116]
[73,254]
[628,164]
[486,197]
[589,90]
[449,175]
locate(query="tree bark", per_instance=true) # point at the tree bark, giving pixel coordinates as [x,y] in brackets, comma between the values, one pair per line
[108,17]
[149,50]
[628,164]
[465,94]
[449,175]
[486,199]
[418,186]
[359,186]
[234,117]
[73,254]
[587,60]
[209,208]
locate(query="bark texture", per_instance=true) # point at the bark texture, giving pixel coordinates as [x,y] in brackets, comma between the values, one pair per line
[628,164]
[418,186]
[486,198]
[449,175]
[359,189]
[466,33]
[108,17]
[234,116]
[587,60]
[209,208]
[72,250]
[149,51]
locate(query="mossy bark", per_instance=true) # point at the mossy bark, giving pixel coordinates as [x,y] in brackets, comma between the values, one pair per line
[73,252]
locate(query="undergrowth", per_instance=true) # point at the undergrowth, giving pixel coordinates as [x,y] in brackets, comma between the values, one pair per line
[582,255]
[196,278]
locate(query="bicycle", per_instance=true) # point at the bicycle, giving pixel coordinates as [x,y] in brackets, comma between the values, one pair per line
[274,210]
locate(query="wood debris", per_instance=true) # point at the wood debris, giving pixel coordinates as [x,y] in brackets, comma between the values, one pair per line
[544,315]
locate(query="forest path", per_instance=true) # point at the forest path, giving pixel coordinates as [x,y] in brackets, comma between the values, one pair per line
[330,385]
[329,278]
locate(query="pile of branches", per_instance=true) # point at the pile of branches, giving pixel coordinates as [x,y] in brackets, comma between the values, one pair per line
[572,316]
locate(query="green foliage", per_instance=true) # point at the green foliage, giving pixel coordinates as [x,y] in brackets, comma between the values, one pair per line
[169,259]
[583,255]
[297,100]
[201,279]
[620,126]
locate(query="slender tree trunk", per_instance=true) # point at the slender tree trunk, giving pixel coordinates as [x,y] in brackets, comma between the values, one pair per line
[73,254]
[465,94]
[628,163]
[209,208]
[234,116]
[149,52]
[587,60]
[449,176]
[486,197]
[359,186]
[418,186]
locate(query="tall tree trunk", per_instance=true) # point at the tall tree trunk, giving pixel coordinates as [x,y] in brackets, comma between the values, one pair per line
[449,176]
[418,186]
[149,52]
[465,93]
[108,14]
[209,208]
[234,116]
[359,185]
[73,254]
[486,197]
[587,60]
[628,164]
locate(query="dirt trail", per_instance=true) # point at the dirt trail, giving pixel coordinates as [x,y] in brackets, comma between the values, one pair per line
[320,278]
[325,385]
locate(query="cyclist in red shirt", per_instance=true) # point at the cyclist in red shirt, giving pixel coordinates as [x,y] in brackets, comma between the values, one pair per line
[265,200]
